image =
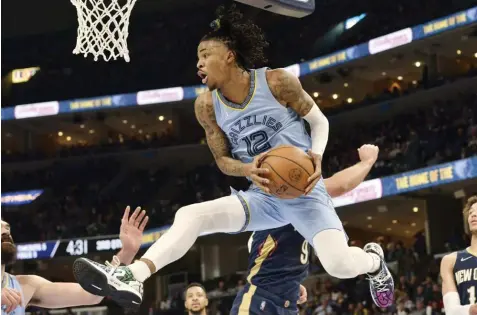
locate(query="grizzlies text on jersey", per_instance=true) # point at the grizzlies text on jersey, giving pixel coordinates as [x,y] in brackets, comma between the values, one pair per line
[257,125]
[278,263]
[260,122]
[10,281]
[465,275]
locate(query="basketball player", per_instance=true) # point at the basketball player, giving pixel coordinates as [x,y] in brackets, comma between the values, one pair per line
[278,260]
[459,271]
[22,290]
[196,300]
[246,113]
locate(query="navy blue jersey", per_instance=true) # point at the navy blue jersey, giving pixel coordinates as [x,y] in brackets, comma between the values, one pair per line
[278,261]
[465,275]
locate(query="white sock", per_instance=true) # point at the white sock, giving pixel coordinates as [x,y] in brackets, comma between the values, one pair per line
[140,270]
[376,262]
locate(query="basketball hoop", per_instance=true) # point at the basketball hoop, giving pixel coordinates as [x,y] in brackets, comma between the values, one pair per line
[103,28]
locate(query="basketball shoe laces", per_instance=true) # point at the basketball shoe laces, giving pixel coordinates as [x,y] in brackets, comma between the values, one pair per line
[379,280]
[114,265]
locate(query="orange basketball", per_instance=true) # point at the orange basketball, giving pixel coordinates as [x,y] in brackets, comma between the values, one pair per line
[290,169]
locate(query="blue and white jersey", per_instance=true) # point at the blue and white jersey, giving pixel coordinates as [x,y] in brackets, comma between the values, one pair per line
[260,122]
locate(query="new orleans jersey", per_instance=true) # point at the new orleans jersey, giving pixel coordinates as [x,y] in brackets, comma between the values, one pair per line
[465,275]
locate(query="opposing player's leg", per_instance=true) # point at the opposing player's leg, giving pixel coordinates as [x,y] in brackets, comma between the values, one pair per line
[239,212]
[315,218]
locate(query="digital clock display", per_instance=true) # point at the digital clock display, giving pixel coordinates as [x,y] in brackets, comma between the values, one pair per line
[62,248]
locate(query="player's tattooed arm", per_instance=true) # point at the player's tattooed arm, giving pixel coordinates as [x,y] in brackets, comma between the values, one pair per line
[216,139]
[287,89]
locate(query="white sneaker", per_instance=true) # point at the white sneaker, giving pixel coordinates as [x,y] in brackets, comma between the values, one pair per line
[381,282]
[112,280]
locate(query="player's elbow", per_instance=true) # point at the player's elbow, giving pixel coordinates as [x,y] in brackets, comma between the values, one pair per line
[316,119]
[221,164]
[336,190]
[324,121]
[334,187]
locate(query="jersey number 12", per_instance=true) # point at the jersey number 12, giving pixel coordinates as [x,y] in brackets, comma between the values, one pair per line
[257,143]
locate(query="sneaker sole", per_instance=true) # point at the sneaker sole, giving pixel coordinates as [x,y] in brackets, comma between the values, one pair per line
[96,282]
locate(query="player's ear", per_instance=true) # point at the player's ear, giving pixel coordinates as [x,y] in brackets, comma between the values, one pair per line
[230,56]
[206,302]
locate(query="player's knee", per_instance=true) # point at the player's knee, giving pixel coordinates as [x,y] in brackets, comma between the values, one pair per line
[186,213]
[339,265]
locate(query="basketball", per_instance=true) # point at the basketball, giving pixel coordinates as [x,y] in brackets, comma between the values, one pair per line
[290,169]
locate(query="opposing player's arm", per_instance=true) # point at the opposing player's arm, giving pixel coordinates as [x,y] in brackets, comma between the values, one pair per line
[287,90]
[449,289]
[43,293]
[216,139]
[47,294]
[349,178]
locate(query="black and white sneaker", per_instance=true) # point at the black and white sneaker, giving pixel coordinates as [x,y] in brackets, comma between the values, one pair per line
[112,280]
[381,283]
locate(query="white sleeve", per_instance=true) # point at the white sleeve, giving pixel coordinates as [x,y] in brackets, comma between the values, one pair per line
[320,129]
[452,305]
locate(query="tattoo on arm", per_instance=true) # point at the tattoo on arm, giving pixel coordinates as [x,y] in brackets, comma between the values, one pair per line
[216,139]
[287,89]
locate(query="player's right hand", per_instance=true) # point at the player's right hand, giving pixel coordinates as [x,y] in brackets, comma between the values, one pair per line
[258,174]
[11,298]
[473,309]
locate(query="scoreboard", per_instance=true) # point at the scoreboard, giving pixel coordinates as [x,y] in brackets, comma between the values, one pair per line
[71,247]
[81,246]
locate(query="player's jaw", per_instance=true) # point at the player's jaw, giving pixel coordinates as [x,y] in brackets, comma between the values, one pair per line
[196,308]
[473,226]
[472,220]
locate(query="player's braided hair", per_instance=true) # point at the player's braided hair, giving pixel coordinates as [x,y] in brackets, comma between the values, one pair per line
[241,36]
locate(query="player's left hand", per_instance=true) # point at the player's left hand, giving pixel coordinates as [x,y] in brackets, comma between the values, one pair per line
[303,295]
[315,177]
[368,153]
[131,229]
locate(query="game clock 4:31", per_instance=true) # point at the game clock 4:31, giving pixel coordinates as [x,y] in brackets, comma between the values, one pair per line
[79,247]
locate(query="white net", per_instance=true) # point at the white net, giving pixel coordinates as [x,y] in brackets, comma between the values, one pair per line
[103,28]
